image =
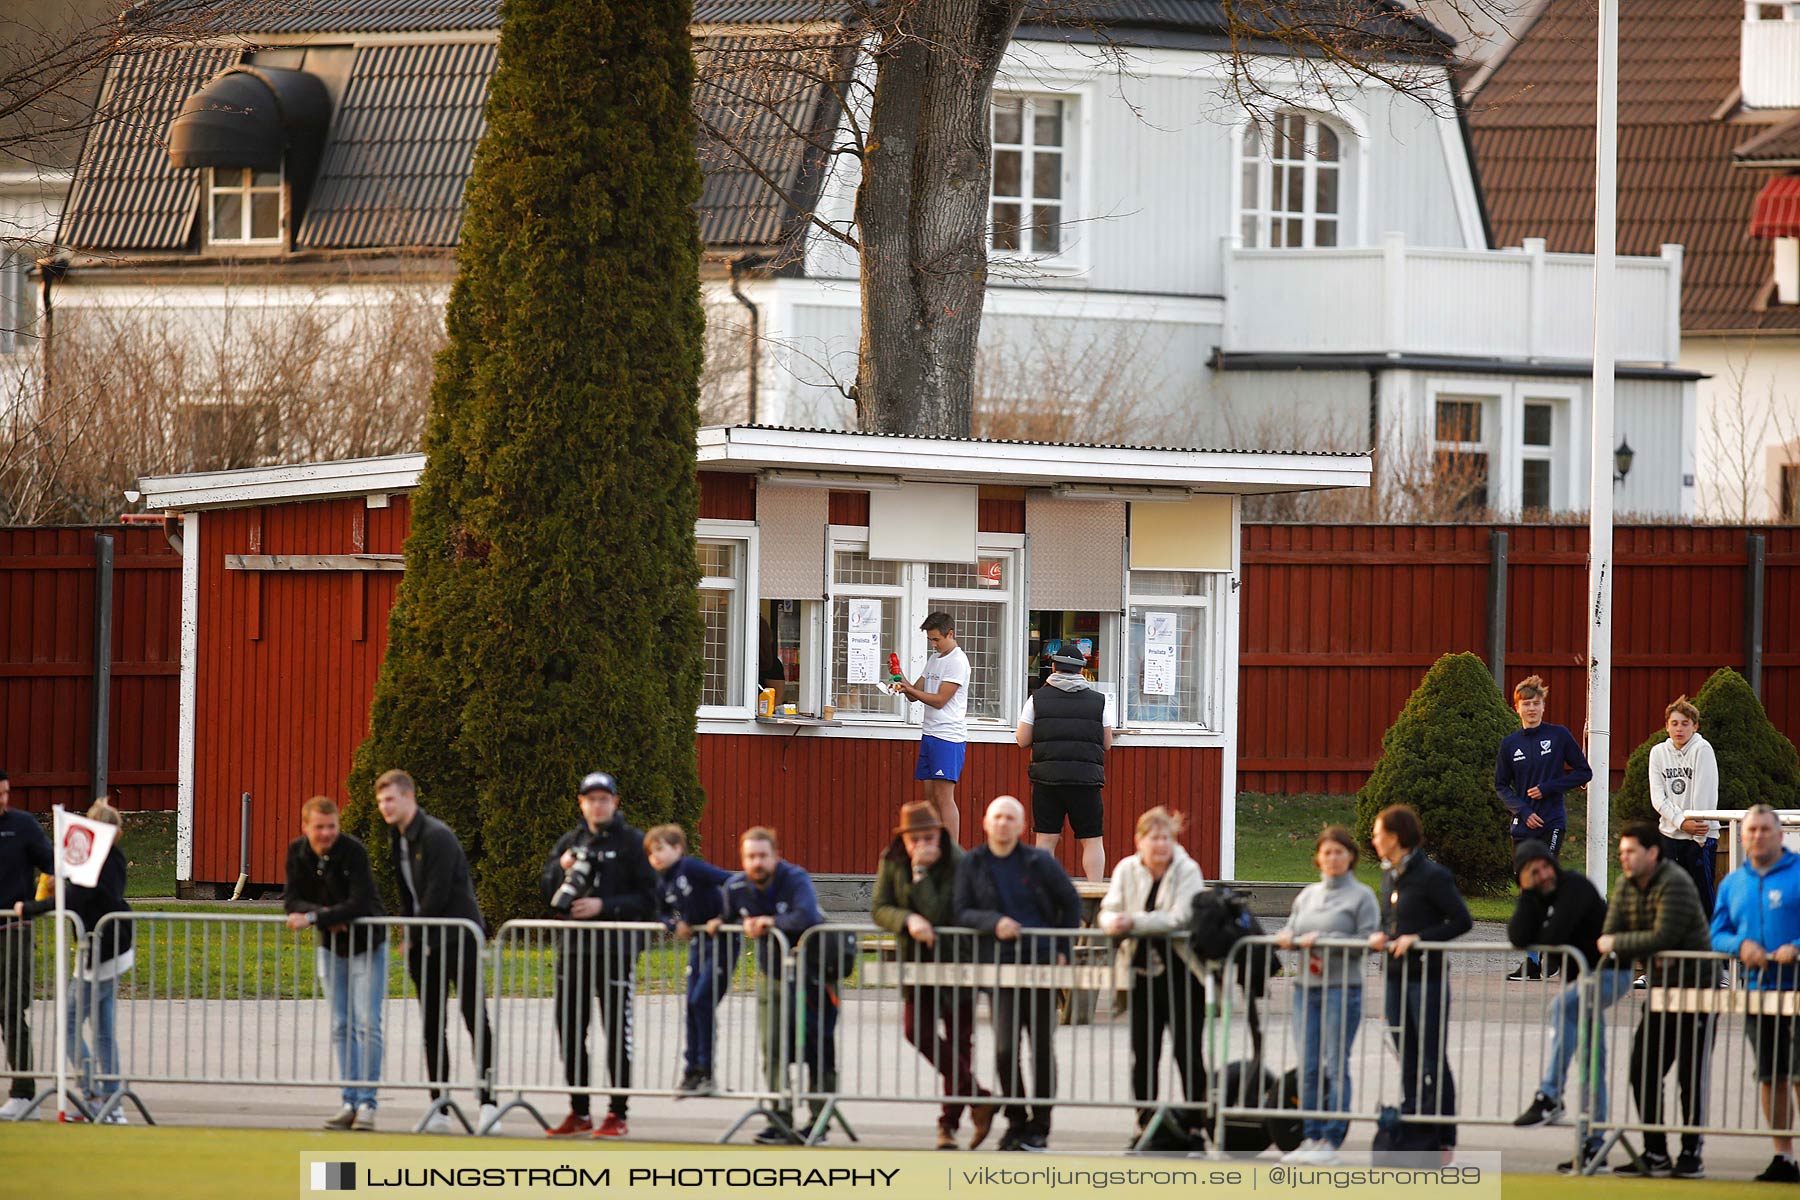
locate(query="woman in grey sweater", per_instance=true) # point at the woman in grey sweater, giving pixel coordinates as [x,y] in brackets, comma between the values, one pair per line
[1328,995]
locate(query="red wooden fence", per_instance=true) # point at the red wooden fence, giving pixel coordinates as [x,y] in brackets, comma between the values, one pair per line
[1340,621]
[1338,624]
[47,666]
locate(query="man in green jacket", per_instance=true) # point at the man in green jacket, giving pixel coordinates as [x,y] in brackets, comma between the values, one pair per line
[1655,908]
[915,892]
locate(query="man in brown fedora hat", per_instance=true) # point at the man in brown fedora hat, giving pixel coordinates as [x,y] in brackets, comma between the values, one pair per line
[915,892]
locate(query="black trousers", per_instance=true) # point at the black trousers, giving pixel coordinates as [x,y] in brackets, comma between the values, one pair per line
[1696,858]
[605,974]
[1173,1001]
[438,958]
[1030,1012]
[15,1004]
[1418,1013]
[1664,1040]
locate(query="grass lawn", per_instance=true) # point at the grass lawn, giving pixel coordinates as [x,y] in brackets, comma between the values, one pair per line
[245,1164]
[1275,843]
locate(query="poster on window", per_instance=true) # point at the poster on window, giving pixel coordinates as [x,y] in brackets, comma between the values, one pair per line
[1159,670]
[1159,654]
[864,642]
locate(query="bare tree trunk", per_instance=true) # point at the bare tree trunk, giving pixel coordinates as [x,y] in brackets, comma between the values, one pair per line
[922,213]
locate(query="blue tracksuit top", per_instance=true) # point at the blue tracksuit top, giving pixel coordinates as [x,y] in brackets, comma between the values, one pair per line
[690,891]
[1547,758]
[789,898]
[1763,907]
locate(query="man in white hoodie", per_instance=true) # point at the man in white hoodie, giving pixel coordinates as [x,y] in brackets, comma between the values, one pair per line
[1068,726]
[1684,778]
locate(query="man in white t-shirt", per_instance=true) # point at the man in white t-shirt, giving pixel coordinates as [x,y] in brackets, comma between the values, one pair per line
[944,691]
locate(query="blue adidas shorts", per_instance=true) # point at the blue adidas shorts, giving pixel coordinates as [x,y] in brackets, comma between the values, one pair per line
[939,759]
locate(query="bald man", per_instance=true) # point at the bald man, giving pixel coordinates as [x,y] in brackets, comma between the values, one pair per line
[1003,888]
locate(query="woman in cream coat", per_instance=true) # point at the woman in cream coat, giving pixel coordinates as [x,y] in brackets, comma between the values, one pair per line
[1152,895]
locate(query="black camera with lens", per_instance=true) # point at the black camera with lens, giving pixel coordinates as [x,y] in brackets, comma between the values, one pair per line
[578,880]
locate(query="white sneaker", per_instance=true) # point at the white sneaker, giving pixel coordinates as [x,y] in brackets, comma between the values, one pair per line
[14,1108]
[1325,1155]
[365,1119]
[487,1116]
[438,1122]
[1302,1154]
[116,1117]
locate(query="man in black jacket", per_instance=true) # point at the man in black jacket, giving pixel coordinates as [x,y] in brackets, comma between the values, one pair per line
[1069,731]
[615,883]
[24,850]
[434,882]
[1561,908]
[329,886]
[1003,887]
[1419,903]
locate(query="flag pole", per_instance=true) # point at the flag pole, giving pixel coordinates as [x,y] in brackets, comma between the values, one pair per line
[1600,471]
[62,983]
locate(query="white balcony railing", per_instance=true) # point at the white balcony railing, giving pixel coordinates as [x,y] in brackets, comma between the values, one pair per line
[1769,58]
[1392,299]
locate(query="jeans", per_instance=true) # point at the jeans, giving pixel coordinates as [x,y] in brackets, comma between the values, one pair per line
[1325,1024]
[356,984]
[939,1022]
[1565,1041]
[1695,858]
[97,1001]
[712,960]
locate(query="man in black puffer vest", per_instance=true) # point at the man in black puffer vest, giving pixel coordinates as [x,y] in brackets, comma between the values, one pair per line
[1069,729]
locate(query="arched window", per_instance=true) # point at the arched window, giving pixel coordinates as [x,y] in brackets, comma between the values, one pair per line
[1292,172]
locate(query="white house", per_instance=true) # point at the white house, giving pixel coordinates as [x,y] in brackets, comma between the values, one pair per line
[1315,273]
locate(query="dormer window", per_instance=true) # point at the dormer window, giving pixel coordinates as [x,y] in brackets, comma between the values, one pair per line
[244,205]
[255,133]
[1291,177]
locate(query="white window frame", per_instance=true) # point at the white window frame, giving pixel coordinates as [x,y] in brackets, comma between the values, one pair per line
[915,604]
[1503,436]
[1494,400]
[1073,111]
[745,536]
[246,191]
[1216,606]
[1261,207]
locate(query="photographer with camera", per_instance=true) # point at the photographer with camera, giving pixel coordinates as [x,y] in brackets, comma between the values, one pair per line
[598,874]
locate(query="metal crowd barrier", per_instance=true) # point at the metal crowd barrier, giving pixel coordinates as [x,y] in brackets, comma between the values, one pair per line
[1438,1039]
[28,972]
[239,999]
[1688,1054]
[902,1023]
[641,996]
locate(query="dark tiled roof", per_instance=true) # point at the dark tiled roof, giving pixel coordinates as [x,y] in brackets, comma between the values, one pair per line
[766,107]
[1532,130]
[125,197]
[1780,144]
[433,16]
[1378,25]
[401,149]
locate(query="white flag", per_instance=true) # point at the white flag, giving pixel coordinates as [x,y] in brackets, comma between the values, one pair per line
[82,846]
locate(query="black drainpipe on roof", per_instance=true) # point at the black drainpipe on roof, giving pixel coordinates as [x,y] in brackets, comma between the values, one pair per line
[735,264]
[49,270]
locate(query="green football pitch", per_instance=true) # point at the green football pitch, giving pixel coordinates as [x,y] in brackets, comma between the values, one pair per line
[41,1160]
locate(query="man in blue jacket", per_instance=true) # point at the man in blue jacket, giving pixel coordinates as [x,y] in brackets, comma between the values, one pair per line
[1003,887]
[771,894]
[1534,768]
[1757,919]
[24,850]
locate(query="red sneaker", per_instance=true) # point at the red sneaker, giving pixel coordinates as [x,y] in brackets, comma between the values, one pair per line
[613,1126]
[572,1126]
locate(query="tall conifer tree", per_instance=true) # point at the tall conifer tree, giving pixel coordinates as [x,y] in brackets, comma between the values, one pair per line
[548,623]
